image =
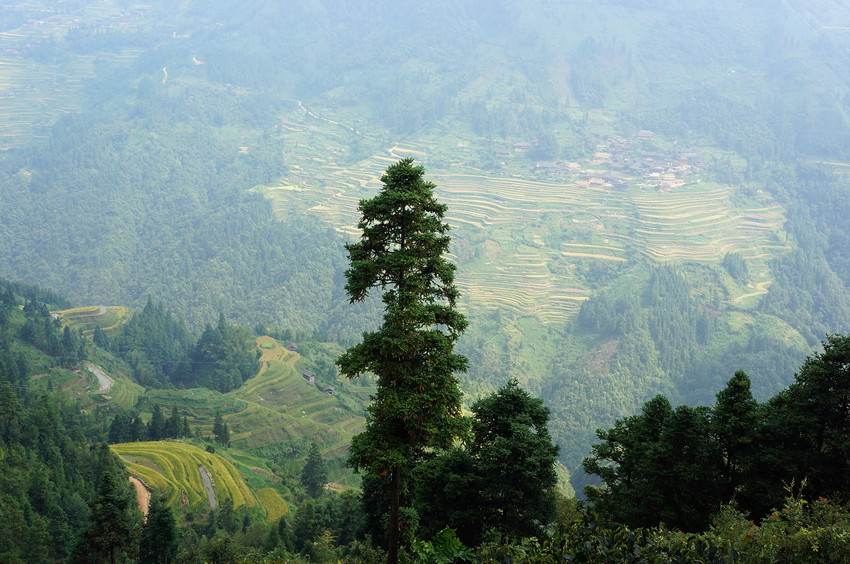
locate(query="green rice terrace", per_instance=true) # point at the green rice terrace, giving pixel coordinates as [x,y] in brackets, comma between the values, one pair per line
[520,232]
[278,409]
[277,406]
[195,478]
[109,319]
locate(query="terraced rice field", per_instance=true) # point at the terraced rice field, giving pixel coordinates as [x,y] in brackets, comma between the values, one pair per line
[172,467]
[282,405]
[532,232]
[532,272]
[33,93]
[109,319]
[125,393]
[273,503]
[276,406]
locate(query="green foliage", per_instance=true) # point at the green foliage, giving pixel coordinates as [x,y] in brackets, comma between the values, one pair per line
[156,345]
[661,466]
[418,401]
[115,520]
[804,430]
[676,466]
[313,476]
[158,543]
[515,458]
[224,357]
[734,421]
[801,532]
[587,540]
[736,266]
[502,483]
[445,548]
[49,468]
[221,431]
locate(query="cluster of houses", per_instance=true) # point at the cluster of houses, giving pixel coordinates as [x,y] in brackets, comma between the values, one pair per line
[619,163]
[307,374]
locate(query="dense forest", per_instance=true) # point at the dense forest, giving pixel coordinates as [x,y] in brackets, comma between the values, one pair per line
[738,481]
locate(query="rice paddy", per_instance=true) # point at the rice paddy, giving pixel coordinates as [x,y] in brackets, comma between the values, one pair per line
[524,234]
[173,467]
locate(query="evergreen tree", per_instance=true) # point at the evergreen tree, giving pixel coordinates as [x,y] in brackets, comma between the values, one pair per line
[113,525]
[287,536]
[503,482]
[225,435]
[100,339]
[418,402]
[806,426]
[307,527]
[313,476]
[734,422]
[158,544]
[174,425]
[157,425]
[11,414]
[120,430]
[221,431]
[516,459]
[225,516]
[70,347]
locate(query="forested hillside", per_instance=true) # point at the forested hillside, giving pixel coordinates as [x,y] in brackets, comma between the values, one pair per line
[644,196]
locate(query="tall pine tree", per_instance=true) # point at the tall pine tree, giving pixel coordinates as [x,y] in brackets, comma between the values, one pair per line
[418,402]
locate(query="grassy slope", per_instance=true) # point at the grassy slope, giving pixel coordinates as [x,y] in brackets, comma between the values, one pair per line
[277,409]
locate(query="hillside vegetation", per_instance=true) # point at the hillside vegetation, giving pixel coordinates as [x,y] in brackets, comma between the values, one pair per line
[600,161]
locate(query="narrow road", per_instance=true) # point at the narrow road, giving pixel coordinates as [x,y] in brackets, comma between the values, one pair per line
[207,481]
[104,381]
[143,494]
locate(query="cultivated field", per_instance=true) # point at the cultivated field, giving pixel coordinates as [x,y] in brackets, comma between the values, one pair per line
[109,319]
[173,468]
[519,238]
[276,406]
[38,84]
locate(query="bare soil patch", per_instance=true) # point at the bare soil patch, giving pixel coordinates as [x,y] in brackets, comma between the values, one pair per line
[143,494]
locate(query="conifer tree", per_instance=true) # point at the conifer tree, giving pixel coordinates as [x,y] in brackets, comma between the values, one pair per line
[156,427]
[418,402]
[114,521]
[313,476]
[159,534]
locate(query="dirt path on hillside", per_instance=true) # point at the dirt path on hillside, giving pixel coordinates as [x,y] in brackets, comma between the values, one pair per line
[104,381]
[761,288]
[143,494]
[208,487]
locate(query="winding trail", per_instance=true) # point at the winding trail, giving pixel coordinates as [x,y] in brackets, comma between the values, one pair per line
[761,288]
[208,487]
[104,381]
[143,494]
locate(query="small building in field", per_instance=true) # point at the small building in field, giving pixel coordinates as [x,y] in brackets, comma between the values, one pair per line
[329,390]
[290,346]
[309,376]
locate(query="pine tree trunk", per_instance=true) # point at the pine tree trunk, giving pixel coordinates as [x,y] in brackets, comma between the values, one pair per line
[392,551]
